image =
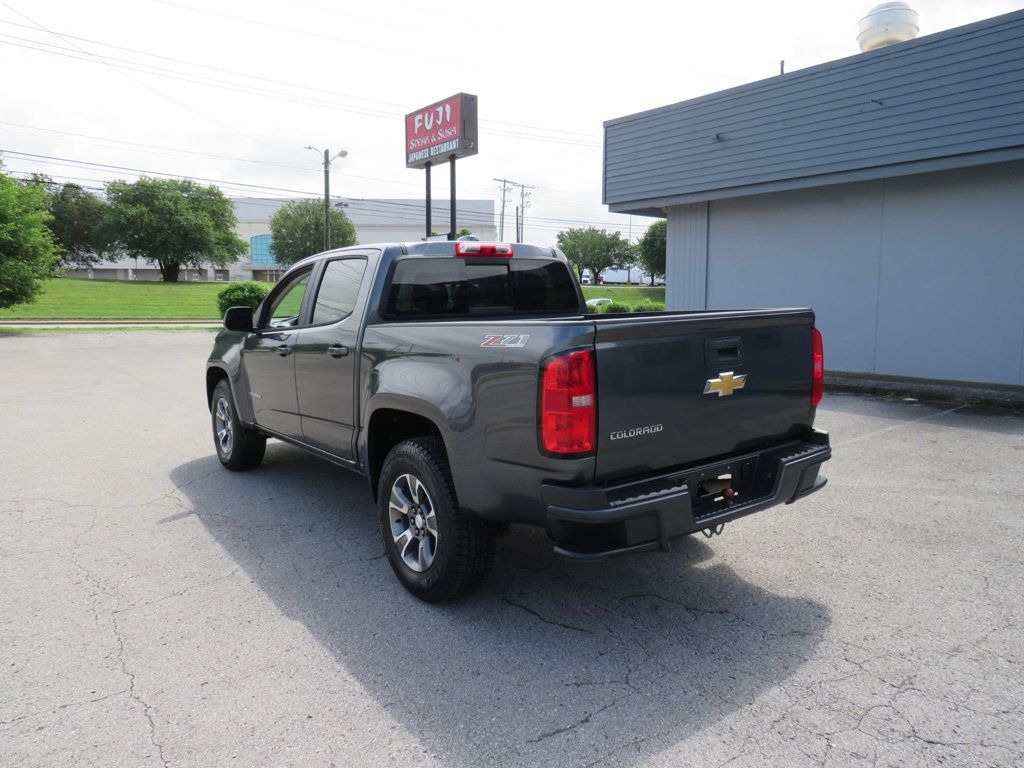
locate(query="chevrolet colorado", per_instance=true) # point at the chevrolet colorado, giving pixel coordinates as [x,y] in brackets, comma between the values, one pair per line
[467,382]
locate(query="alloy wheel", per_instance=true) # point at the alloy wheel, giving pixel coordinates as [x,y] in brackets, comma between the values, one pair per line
[413,522]
[223,426]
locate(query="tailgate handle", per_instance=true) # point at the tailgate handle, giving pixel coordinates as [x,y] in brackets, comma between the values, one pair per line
[728,350]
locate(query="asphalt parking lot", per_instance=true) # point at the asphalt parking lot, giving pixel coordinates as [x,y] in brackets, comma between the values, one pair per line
[159,610]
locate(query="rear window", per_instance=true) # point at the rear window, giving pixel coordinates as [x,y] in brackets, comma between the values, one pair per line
[458,287]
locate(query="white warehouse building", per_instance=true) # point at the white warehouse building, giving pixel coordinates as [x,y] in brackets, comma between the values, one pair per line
[375,221]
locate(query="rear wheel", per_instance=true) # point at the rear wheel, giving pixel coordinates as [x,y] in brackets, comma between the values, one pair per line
[238,447]
[437,552]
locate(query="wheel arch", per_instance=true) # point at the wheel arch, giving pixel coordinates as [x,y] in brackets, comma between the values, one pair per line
[214,374]
[386,428]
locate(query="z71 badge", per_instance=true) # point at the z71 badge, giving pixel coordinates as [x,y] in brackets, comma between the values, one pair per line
[506,340]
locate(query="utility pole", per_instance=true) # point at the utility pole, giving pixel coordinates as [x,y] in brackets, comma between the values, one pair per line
[328,159]
[523,194]
[506,185]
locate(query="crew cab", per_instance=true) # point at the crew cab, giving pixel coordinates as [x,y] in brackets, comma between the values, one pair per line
[467,382]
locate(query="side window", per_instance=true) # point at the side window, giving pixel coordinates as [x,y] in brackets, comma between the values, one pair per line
[283,311]
[338,290]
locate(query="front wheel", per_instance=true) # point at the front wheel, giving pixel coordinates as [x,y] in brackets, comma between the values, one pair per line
[437,552]
[238,447]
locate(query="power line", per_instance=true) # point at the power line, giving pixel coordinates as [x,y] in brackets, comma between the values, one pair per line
[506,185]
[145,147]
[107,167]
[556,197]
[339,12]
[133,79]
[73,162]
[187,77]
[571,137]
[210,67]
[418,55]
[150,69]
[369,205]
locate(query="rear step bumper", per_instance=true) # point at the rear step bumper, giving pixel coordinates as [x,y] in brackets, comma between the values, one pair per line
[592,522]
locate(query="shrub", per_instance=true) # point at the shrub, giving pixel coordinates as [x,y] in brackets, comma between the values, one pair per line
[650,306]
[247,293]
[615,306]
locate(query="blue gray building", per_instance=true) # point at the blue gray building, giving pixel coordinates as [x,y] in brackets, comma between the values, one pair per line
[886,190]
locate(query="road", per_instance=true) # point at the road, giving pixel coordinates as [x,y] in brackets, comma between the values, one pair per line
[157,609]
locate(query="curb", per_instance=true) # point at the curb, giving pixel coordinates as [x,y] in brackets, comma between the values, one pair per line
[940,390]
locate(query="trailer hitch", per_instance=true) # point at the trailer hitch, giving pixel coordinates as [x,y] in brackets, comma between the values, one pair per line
[715,531]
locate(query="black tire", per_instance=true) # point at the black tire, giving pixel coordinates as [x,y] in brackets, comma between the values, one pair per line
[461,545]
[241,448]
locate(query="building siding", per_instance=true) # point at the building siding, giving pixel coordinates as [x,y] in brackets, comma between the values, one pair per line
[950,95]
[915,276]
[687,257]
[807,248]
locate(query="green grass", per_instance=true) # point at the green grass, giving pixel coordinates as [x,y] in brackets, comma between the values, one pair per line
[74,299]
[15,331]
[628,294]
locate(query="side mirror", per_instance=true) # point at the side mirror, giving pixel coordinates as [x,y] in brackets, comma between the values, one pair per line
[239,319]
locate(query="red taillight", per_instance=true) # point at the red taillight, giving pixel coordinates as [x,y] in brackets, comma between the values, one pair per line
[568,412]
[818,357]
[473,248]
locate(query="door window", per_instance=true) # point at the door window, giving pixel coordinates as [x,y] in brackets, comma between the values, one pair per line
[338,290]
[285,307]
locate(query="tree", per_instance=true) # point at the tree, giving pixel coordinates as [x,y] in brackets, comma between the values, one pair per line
[297,229]
[28,252]
[651,250]
[77,224]
[594,249]
[172,223]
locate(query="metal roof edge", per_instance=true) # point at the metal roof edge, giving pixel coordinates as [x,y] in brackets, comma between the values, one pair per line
[931,165]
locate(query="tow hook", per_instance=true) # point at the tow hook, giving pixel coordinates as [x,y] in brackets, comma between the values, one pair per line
[716,531]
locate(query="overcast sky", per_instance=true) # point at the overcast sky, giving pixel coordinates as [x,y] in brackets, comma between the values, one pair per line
[233,91]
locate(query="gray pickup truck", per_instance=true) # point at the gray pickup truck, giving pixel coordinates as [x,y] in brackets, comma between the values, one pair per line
[467,382]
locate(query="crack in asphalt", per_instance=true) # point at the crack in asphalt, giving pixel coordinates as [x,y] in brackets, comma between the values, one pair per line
[693,610]
[96,586]
[573,726]
[133,694]
[546,620]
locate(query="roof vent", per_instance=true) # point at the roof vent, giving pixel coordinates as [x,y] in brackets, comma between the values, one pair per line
[886,24]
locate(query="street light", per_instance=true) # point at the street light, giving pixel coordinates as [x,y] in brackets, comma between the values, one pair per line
[328,159]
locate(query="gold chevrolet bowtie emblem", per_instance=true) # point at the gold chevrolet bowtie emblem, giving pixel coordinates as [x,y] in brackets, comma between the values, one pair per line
[725,384]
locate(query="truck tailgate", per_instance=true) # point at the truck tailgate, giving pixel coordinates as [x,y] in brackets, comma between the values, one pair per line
[665,396]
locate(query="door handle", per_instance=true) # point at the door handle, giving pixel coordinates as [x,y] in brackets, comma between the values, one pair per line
[284,350]
[337,350]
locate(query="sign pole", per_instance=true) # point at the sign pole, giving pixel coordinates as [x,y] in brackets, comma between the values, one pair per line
[451,232]
[427,166]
